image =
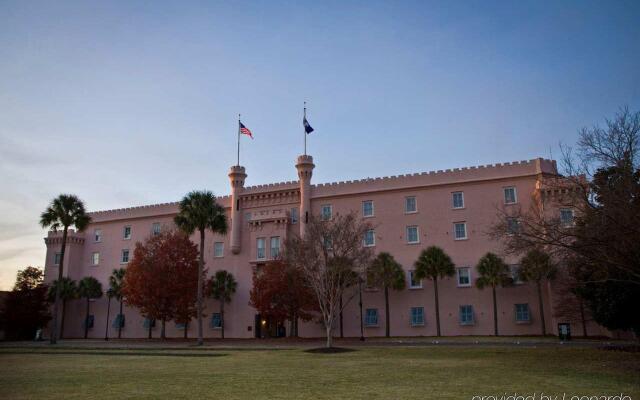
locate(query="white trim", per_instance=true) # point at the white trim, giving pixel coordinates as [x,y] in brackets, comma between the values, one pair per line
[214,250]
[93,259]
[124,232]
[455,234]
[364,239]
[322,216]
[416,325]
[504,195]
[373,211]
[122,256]
[412,287]
[95,234]
[453,205]
[458,284]
[415,204]
[264,249]
[406,232]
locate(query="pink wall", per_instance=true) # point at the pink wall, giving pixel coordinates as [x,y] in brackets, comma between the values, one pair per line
[269,206]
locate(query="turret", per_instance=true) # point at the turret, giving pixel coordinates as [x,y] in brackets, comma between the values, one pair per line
[305,171]
[237,177]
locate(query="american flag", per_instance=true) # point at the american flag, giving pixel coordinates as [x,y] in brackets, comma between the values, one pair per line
[244,130]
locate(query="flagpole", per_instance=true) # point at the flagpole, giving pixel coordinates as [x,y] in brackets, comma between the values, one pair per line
[238,140]
[304,131]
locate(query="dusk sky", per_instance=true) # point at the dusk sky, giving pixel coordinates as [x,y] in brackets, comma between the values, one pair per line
[131,103]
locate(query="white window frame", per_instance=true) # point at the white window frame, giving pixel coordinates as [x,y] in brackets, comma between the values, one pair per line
[417,241]
[95,258]
[453,200]
[97,236]
[122,252]
[516,221]
[455,231]
[373,235]
[567,224]
[522,321]
[271,247]
[373,212]
[514,271]
[411,316]
[264,248]
[367,324]
[415,205]
[323,216]
[473,317]
[215,248]
[410,274]
[153,228]
[124,232]
[56,258]
[458,277]
[515,195]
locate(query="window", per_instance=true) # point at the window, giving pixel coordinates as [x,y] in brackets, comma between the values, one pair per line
[458,199]
[367,208]
[181,325]
[510,195]
[155,228]
[370,238]
[216,321]
[149,323]
[89,321]
[514,269]
[410,204]
[513,226]
[118,321]
[124,258]
[412,235]
[126,233]
[371,317]
[417,316]
[95,258]
[466,315]
[413,282]
[97,235]
[275,247]
[56,258]
[522,313]
[326,212]
[566,217]
[218,249]
[294,215]
[464,276]
[460,230]
[328,243]
[260,251]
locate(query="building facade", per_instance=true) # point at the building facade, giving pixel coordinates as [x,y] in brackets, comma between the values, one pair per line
[453,209]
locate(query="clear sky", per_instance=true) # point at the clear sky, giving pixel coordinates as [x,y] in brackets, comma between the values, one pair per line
[136,102]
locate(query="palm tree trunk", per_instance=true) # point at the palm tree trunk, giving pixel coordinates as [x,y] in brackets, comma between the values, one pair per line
[64,307]
[186,329]
[222,317]
[199,305]
[56,304]
[341,319]
[583,320]
[120,321]
[360,305]
[541,305]
[495,312]
[435,293]
[387,328]
[86,321]
[106,329]
[163,335]
[149,328]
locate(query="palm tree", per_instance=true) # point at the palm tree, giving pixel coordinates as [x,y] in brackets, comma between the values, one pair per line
[387,274]
[537,266]
[64,211]
[199,211]
[89,288]
[116,281]
[493,273]
[434,264]
[66,291]
[223,286]
[109,296]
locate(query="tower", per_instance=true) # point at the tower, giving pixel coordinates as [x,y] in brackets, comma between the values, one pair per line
[305,171]
[237,177]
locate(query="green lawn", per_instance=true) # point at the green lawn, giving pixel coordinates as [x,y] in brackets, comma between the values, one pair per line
[368,372]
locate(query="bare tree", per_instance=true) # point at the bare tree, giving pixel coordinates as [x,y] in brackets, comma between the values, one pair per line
[332,259]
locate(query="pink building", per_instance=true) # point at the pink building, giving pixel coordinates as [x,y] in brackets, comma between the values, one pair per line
[452,209]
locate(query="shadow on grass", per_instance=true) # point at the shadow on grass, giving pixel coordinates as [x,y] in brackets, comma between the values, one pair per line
[113,353]
[329,350]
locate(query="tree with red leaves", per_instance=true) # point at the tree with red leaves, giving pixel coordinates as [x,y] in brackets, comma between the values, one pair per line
[162,278]
[280,294]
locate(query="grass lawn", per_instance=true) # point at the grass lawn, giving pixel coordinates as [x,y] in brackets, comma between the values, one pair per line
[368,372]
